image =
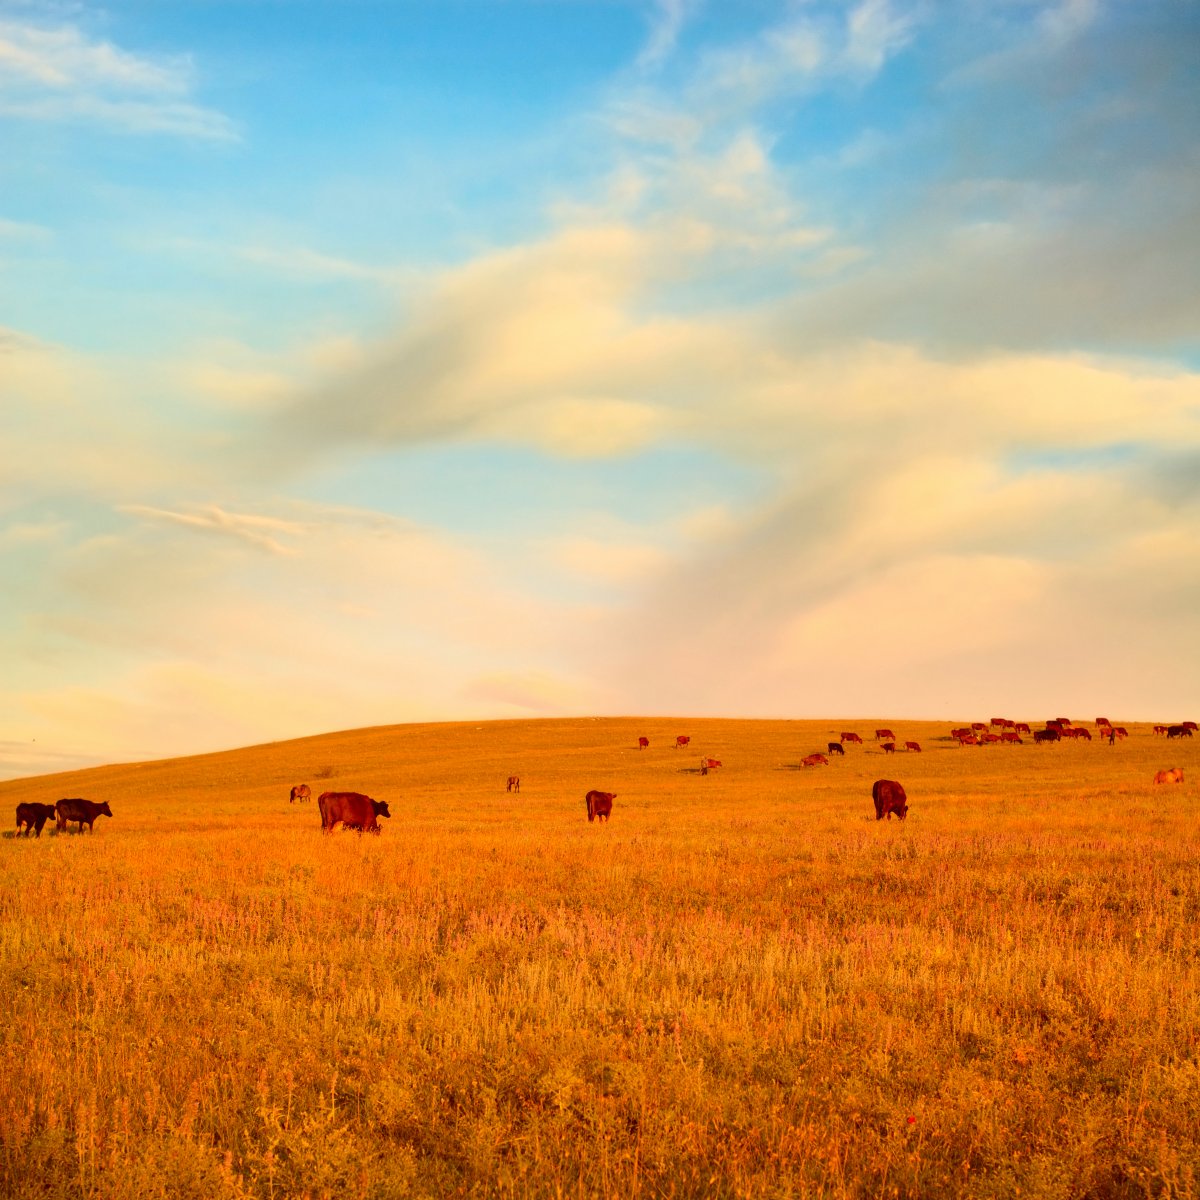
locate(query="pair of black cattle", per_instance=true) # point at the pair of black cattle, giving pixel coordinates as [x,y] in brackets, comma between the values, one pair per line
[35,816]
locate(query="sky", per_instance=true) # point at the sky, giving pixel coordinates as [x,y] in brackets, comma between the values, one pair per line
[375,362]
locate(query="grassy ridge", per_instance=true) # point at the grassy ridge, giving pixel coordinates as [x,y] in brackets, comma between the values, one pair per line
[743,985]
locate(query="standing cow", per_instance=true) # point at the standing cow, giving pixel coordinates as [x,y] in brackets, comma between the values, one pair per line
[643,742]
[81,811]
[889,747]
[300,792]
[352,810]
[851,737]
[884,735]
[914,746]
[33,817]
[599,805]
[514,784]
[889,798]
[682,740]
[836,748]
[814,760]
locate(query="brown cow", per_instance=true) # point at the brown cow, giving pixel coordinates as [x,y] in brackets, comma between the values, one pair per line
[300,792]
[643,742]
[1119,731]
[884,735]
[352,810]
[978,726]
[1046,735]
[1173,731]
[836,748]
[851,737]
[1012,737]
[1191,725]
[913,746]
[814,760]
[989,739]
[889,798]
[1174,775]
[514,784]
[1103,721]
[682,740]
[1021,727]
[1002,722]
[711,764]
[1158,729]
[33,817]
[79,810]
[968,739]
[889,747]
[599,805]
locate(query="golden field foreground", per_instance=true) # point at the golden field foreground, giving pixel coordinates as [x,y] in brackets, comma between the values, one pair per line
[742,985]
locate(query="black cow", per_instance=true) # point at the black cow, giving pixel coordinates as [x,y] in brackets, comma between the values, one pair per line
[34,817]
[889,798]
[836,748]
[1178,731]
[81,811]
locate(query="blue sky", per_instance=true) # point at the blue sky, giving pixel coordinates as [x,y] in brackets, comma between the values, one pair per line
[373,362]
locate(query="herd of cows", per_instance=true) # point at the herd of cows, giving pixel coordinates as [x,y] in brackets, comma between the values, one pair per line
[356,811]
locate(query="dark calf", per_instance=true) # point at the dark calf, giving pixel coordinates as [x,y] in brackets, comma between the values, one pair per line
[34,817]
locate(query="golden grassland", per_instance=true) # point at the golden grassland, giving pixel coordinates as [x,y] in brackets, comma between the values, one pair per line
[743,985]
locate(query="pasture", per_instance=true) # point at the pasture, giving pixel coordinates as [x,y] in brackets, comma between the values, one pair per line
[740,985]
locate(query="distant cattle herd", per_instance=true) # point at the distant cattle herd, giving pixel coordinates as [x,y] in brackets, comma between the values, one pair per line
[356,811]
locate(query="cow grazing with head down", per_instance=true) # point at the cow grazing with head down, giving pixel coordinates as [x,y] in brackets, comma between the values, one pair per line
[1175,731]
[34,817]
[1021,727]
[79,810]
[300,792]
[814,760]
[836,748]
[643,742]
[1047,735]
[351,810]
[711,764]
[1011,737]
[889,747]
[851,737]
[884,735]
[889,798]
[914,746]
[968,739]
[599,805]
[1174,775]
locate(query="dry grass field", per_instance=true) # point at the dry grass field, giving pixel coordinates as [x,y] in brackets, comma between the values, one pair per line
[742,985]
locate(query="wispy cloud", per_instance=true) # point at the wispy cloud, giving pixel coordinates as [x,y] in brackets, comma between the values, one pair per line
[60,74]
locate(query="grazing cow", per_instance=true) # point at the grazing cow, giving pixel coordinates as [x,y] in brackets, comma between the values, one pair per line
[514,784]
[913,746]
[836,748]
[851,737]
[682,740]
[960,733]
[1079,732]
[1103,721]
[352,810]
[1002,722]
[1119,731]
[709,764]
[1158,729]
[79,810]
[884,735]
[643,742]
[1174,775]
[1058,723]
[300,792]
[889,747]
[1047,735]
[1176,731]
[814,760]
[1062,720]
[989,739]
[33,817]
[1191,725]
[968,739]
[889,798]
[1011,737]
[1021,727]
[599,805]
[978,726]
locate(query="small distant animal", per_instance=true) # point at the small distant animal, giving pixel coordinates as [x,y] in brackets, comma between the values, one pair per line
[599,805]
[33,817]
[884,735]
[682,740]
[1044,736]
[814,760]
[712,764]
[1021,727]
[643,742]
[352,810]
[79,810]
[514,783]
[300,792]
[1174,731]
[1174,775]
[913,746]
[1158,729]
[851,737]
[836,748]
[889,798]
[889,747]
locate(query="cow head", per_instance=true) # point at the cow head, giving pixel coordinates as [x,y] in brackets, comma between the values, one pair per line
[381,808]
[104,809]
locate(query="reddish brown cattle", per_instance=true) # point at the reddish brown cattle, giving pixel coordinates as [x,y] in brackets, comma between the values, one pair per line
[1173,731]
[1046,735]
[300,792]
[978,726]
[514,784]
[81,811]
[989,739]
[1119,731]
[643,742]
[1103,721]
[1174,775]
[884,735]
[1002,722]
[1058,723]
[889,747]
[1021,727]
[1158,729]
[1191,725]
[968,739]
[814,760]
[836,748]
[682,740]
[851,737]
[712,763]
[889,798]
[352,810]
[1012,737]
[1082,733]
[33,817]
[599,805]
[961,732]
[1062,720]
[913,746]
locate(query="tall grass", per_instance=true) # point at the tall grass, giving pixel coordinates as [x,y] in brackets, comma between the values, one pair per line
[741,986]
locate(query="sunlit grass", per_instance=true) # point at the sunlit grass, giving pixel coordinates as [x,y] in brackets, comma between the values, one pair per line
[742,985]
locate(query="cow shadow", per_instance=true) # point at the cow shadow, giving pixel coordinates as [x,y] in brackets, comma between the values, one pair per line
[690,771]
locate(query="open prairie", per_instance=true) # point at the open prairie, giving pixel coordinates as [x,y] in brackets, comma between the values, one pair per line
[741,985]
